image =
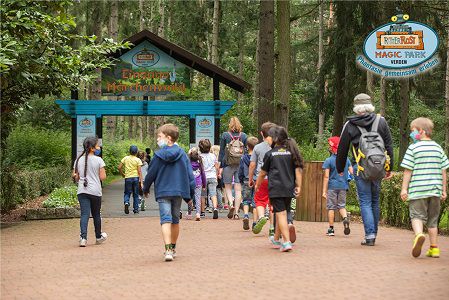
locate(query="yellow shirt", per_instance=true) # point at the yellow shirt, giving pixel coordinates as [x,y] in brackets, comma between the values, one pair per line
[131,163]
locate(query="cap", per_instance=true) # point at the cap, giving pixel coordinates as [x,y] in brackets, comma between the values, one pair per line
[361,99]
[333,142]
[133,149]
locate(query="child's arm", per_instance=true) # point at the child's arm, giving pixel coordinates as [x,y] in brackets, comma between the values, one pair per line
[298,180]
[151,176]
[120,169]
[326,182]
[139,172]
[405,183]
[444,195]
[260,178]
[251,169]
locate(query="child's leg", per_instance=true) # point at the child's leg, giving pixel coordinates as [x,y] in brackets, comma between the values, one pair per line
[238,197]
[341,203]
[245,209]
[166,219]
[282,224]
[198,200]
[343,212]
[228,193]
[432,222]
[95,207]
[220,197]
[331,215]
[189,207]
[175,207]
[433,236]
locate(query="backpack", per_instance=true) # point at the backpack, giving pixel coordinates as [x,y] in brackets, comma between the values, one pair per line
[234,150]
[371,158]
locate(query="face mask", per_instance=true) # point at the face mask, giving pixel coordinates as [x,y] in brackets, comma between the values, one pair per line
[97,152]
[415,136]
[162,143]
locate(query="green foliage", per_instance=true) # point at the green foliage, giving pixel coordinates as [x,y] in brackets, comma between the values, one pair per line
[32,148]
[62,197]
[114,152]
[18,186]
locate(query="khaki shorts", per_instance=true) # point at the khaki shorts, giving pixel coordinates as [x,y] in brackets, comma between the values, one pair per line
[427,210]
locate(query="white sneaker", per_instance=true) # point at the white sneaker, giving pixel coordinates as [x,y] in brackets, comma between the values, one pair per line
[168,255]
[83,242]
[103,238]
[173,253]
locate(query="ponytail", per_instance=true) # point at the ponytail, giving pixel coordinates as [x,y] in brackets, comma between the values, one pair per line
[85,169]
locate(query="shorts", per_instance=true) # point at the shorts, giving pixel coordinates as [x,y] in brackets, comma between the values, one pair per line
[229,173]
[261,196]
[169,208]
[211,188]
[281,204]
[427,210]
[336,199]
[248,195]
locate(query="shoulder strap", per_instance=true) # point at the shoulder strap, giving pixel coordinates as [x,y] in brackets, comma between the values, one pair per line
[375,124]
[362,130]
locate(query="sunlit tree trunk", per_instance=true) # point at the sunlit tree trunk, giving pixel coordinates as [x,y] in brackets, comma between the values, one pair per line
[404,95]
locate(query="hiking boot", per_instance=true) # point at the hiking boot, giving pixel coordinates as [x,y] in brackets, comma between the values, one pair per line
[368,242]
[168,255]
[245,224]
[285,247]
[330,232]
[417,244]
[126,208]
[292,232]
[83,242]
[347,230]
[259,225]
[215,214]
[103,238]
[433,252]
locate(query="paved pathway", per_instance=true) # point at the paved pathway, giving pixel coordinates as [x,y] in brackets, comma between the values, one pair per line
[216,260]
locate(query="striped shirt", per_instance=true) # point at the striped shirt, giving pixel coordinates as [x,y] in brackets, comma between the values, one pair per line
[427,161]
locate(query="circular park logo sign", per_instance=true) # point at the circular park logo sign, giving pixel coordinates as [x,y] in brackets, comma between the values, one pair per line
[204,123]
[400,49]
[145,58]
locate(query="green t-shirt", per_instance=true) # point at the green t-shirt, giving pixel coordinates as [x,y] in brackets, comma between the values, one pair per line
[427,161]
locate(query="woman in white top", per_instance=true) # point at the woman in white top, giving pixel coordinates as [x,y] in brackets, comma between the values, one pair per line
[88,172]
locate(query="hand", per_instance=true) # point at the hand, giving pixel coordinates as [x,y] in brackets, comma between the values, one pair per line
[443,196]
[404,195]
[297,191]
[341,174]
[251,182]
[146,195]
[324,195]
[220,171]
[388,175]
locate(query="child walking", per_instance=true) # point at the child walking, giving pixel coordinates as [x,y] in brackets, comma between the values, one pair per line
[133,178]
[283,164]
[200,180]
[172,174]
[247,191]
[144,169]
[222,202]
[424,184]
[210,164]
[335,187]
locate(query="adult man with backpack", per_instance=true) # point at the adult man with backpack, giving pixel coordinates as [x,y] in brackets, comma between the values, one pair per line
[232,145]
[368,137]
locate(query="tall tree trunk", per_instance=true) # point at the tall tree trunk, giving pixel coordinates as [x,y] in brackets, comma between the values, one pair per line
[142,119]
[321,85]
[404,95]
[284,66]
[370,83]
[256,82]
[215,32]
[241,62]
[113,34]
[161,28]
[383,95]
[266,62]
[97,25]
[446,140]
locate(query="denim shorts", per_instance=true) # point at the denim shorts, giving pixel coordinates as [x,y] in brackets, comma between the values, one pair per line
[211,188]
[169,208]
[336,199]
[229,173]
[248,195]
[426,210]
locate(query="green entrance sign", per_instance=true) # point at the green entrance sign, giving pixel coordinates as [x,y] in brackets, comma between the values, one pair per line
[146,70]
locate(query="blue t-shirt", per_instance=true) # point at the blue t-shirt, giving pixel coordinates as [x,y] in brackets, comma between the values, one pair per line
[336,182]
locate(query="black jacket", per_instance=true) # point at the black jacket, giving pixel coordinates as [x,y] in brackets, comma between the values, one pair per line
[351,135]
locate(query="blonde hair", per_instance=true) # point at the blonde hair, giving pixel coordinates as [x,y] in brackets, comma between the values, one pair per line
[235,125]
[215,149]
[251,142]
[425,124]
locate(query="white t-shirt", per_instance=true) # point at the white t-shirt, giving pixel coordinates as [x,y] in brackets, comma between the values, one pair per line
[94,164]
[209,161]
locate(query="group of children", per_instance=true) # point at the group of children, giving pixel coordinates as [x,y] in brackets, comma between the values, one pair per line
[271,173]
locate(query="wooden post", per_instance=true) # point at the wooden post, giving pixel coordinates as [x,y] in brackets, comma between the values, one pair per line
[74,96]
[216,89]
[192,128]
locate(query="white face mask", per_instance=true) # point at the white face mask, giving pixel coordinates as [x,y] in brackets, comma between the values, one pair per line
[162,143]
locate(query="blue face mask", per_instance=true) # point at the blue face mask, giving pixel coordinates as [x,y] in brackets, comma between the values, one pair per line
[162,143]
[97,152]
[415,136]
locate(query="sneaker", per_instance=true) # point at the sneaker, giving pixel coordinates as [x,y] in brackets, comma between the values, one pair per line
[83,242]
[209,210]
[276,244]
[346,225]
[226,207]
[259,225]
[231,213]
[103,238]
[417,244]
[245,224]
[202,215]
[330,232]
[267,212]
[173,253]
[198,217]
[368,242]
[180,215]
[168,255]
[285,247]
[135,211]
[215,214]
[142,205]
[189,217]
[292,231]
[126,208]
[271,232]
[433,252]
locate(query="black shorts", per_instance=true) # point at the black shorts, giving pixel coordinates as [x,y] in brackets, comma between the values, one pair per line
[281,204]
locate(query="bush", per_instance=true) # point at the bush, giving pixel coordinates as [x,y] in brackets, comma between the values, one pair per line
[113,153]
[31,148]
[62,197]
[19,186]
